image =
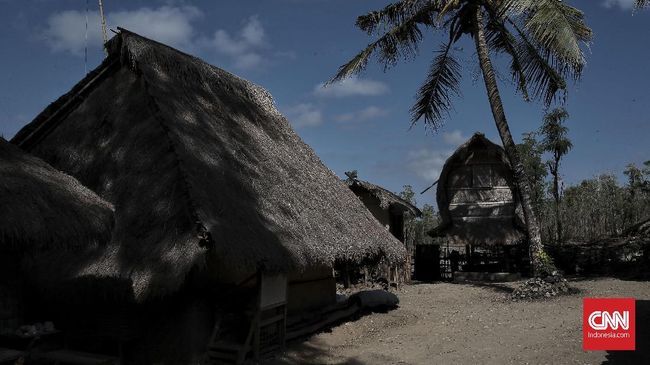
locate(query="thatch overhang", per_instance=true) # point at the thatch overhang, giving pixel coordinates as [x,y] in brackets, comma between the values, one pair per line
[387,199]
[481,205]
[203,171]
[42,208]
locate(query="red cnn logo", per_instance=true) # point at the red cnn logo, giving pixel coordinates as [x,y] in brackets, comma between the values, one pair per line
[608,324]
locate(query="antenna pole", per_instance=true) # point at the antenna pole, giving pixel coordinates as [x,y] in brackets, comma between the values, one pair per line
[104,35]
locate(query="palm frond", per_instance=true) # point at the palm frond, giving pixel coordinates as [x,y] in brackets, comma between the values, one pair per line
[400,41]
[502,40]
[542,77]
[433,99]
[394,14]
[554,26]
[450,5]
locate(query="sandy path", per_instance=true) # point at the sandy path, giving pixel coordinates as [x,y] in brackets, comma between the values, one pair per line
[446,323]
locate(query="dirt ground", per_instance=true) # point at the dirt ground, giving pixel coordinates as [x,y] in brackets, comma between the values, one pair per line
[445,323]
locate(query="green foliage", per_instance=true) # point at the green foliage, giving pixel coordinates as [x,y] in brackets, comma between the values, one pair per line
[596,208]
[546,267]
[638,178]
[541,38]
[531,152]
[416,229]
[556,142]
[554,133]
[408,194]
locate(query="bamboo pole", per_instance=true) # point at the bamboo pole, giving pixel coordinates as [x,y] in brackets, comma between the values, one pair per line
[104,35]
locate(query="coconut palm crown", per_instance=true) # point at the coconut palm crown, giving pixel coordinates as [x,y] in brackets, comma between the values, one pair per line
[543,40]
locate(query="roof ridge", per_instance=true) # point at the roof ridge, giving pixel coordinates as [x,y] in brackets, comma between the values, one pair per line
[203,234]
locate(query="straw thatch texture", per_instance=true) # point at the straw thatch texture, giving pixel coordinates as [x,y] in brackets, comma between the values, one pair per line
[43,208]
[387,199]
[477,197]
[202,168]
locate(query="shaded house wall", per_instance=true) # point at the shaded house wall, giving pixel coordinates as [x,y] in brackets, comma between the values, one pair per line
[313,289]
[387,207]
[390,211]
[11,291]
[383,215]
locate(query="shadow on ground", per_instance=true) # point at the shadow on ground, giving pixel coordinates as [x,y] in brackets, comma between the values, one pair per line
[642,353]
[311,352]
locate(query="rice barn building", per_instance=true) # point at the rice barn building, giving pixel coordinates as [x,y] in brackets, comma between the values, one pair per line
[225,219]
[481,234]
[43,212]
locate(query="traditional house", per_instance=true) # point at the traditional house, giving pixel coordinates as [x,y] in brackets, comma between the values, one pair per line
[216,199]
[388,208]
[481,225]
[391,211]
[41,210]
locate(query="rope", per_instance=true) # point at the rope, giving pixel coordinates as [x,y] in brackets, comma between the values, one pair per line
[86,42]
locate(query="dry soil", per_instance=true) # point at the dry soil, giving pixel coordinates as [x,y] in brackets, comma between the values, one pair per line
[445,323]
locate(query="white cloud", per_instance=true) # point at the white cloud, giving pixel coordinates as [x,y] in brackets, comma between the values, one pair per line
[351,87]
[454,137]
[427,163]
[244,49]
[623,4]
[304,115]
[169,25]
[66,30]
[371,112]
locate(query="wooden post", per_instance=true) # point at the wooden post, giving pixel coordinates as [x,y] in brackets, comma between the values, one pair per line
[346,276]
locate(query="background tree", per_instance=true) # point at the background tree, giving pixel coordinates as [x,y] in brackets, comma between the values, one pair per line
[408,194]
[557,143]
[541,38]
[416,229]
[531,152]
[638,193]
[639,4]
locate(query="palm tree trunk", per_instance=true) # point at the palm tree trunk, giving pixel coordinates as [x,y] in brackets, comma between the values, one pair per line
[532,226]
[556,196]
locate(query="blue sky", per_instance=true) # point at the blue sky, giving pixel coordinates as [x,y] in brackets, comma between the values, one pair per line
[291,47]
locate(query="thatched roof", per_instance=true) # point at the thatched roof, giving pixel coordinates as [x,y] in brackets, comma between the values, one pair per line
[42,208]
[485,215]
[202,168]
[387,199]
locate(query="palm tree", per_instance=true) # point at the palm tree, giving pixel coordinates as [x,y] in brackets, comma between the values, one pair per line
[639,4]
[542,39]
[558,144]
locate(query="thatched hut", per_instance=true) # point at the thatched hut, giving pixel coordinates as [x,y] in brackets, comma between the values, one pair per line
[391,211]
[41,210]
[388,208]
[213,192]
[481,227]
